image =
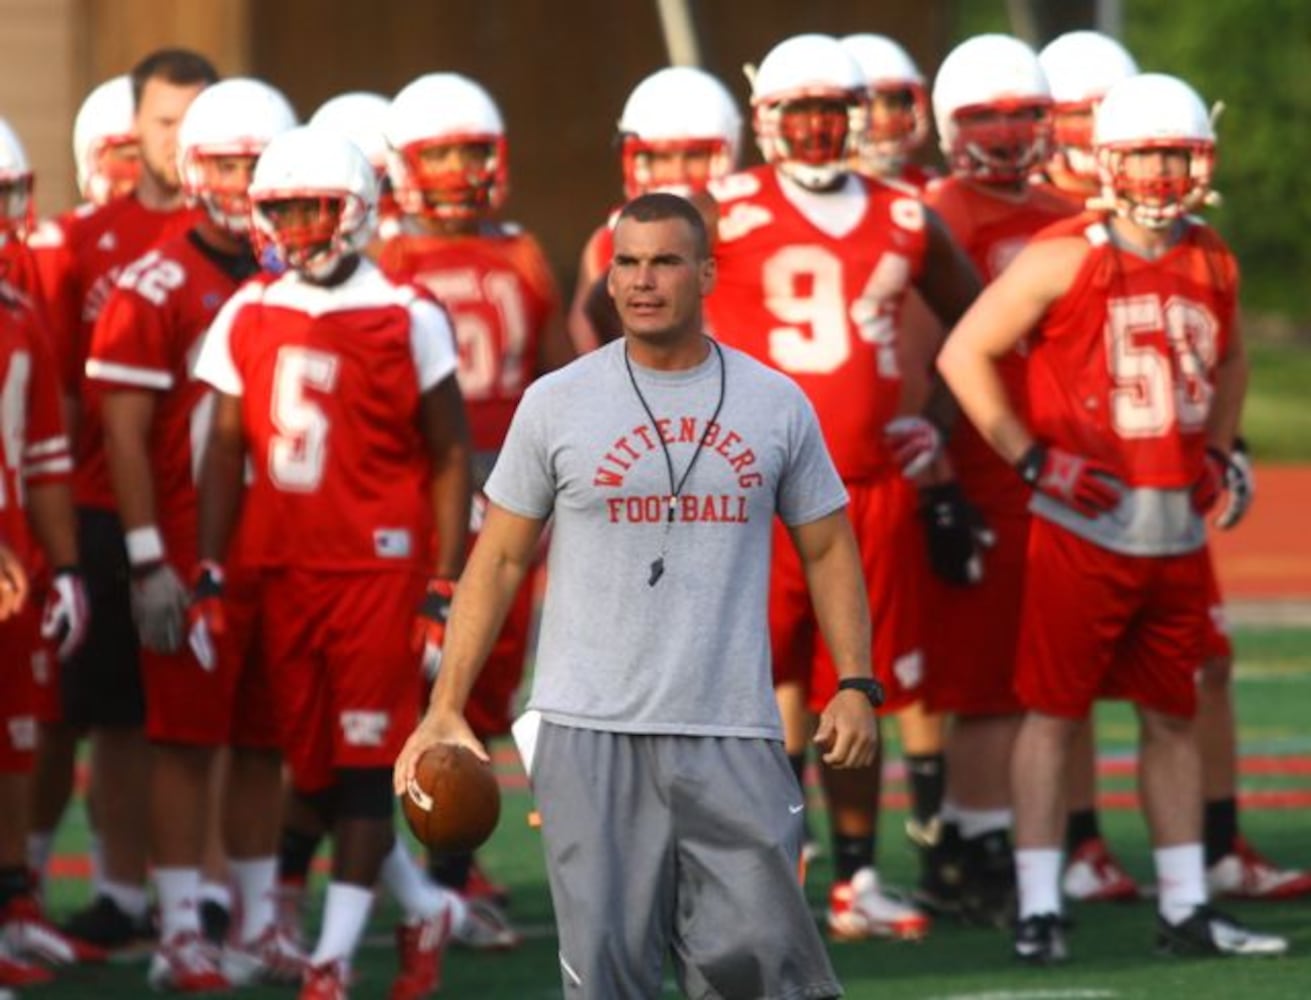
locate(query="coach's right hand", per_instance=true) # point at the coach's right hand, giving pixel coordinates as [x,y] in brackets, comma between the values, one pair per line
[848,732]
[435,727]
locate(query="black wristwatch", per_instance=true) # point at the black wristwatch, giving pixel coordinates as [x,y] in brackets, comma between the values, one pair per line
[867,686]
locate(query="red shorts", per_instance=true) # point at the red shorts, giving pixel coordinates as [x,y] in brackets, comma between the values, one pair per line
[345,676]
[21,652]
[1100,624]
[230,704]
[490,707]
[1216,643]
[884,516]
[971,633]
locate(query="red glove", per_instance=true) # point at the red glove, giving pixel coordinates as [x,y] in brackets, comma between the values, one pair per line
[205,615]
[430,624]
[914,442]
[67,611]
[1211,483]
[1082,484]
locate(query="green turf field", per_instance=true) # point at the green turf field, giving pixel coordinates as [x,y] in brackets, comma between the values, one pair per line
[1112,944]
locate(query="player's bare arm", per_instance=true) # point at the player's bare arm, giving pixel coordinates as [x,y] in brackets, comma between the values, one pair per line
[999,319]
[446,431]
[13,583]
[221,478]
[1231,376]
[498,564]
[50,511]
[582,333]
[129,415]
[848,732]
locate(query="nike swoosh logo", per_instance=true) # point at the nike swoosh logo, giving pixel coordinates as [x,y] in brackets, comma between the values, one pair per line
[796,809]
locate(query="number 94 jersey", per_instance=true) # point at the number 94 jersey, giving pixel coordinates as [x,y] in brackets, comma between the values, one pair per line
[813,285]
[1123,365]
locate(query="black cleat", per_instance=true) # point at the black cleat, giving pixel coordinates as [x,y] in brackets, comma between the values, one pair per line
[1040,940]
[939,848]
[988,891]
[1208,932]
[104,924]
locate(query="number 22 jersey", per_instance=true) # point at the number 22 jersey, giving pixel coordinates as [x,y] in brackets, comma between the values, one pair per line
[330,380]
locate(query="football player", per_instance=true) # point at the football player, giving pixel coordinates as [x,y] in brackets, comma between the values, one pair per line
[155,417]
[814,264]
[898,120]
[36,519]
[358,116]
[992,107]
[102,684]
[1136,378]
[450,175]
[679,130]
[341,388]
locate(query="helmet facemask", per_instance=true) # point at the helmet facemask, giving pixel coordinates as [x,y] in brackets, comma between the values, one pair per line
[811,137]
[16,212]
[454,176]
[898,125]
[1156,193]
[1000,142]
[678,166]
[307,231]
[218,179]
[1072,133]
[114,168]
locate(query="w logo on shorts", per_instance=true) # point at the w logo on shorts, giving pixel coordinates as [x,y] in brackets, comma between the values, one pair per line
[364,729]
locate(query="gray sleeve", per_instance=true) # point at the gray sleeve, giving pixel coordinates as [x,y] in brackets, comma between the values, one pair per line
[523,481]
[810,487]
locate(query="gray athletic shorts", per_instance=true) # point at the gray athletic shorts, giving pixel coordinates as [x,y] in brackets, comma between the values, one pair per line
[685,846]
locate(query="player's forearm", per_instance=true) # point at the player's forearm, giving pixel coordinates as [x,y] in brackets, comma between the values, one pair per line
[1227,403]
[128,417]
[973,380]
[451,492]
[50,512]
[220,491]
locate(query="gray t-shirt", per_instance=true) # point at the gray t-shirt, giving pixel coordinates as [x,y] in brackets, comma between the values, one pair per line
[690,653]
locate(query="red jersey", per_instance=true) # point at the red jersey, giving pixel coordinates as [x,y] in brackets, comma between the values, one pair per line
[498,290]
[101,244]
[992,227]
[821,304]
[330,382]
[147,337]
[1122,368]
[33,445]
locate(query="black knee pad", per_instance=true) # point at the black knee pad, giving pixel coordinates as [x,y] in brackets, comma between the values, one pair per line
[365,793]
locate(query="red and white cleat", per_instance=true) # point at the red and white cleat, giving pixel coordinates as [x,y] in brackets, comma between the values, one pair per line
[272,958]
[1094,875]
[1245,874]
[325,982]
[15,972]
[27,932]
[186,963]
[860,909]
[419,946]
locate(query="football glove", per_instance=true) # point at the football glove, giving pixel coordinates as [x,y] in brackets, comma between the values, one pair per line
[1086,486]
[1240,487]
[159,606]
[914,442]
[205,614]
[67,612]
[430,624]
[955,533]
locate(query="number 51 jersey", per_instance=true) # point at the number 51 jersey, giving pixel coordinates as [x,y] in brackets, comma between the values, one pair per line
[813,284]
[330,380]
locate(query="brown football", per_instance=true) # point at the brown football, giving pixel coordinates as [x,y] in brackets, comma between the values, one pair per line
[453,803]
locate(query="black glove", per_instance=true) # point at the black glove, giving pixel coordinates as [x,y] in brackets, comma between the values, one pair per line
[955,533]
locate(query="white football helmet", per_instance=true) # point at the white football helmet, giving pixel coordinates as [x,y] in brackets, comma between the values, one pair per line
[320,171]
[811,150]
[678,109]
[105,142]
[891,75]
[15,186]
[1153,111]
[237,117]
[992,106]
[357,116]
[1081,66]
[427,119]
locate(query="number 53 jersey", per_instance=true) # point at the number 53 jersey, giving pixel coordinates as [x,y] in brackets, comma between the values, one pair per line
[330,380]
[812,284]
[1123,365]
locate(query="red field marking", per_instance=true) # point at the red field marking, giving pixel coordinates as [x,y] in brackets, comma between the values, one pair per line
[1269,555]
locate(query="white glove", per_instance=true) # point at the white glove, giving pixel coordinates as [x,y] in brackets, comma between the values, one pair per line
[159,606]
[915,442]
[1240,488]
[67,612]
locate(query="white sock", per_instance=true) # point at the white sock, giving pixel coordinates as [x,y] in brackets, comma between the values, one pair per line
[257,884]
[409,886]
[216,892]
[1038,874]
[975,823]
[345,912]
[96,854]
[178,890]
[131,899]
[1180,879]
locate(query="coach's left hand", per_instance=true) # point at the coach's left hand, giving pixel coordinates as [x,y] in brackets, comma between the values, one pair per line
[848,731]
